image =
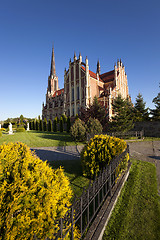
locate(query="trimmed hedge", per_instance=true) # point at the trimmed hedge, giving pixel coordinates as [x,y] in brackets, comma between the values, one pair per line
[94,126]
[20,130]
[78,130]
[33,195]
[99,151]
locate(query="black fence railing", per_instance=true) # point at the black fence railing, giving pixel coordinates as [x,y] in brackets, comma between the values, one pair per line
[84,209]
[137,134]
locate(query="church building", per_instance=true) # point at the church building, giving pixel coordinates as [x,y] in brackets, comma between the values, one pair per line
[81,85]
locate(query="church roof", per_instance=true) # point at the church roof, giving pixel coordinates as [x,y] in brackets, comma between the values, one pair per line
[107,77]
[92,74]
[58,92]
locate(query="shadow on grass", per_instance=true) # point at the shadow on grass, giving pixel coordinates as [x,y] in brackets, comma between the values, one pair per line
[54,155]
[155,157]
[70,166]
[56,136]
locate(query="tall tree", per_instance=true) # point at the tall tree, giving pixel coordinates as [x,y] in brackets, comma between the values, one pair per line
[61,124]
[140,111]
[94,111]
[45,124]
[50,128]
[156,112]
[122,121]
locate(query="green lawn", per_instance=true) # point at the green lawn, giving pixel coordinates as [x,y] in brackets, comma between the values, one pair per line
[137,212]
[39,139]
[73,171]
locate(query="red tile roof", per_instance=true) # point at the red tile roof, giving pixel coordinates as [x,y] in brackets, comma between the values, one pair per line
[92,74]
[58,92]
[108,76]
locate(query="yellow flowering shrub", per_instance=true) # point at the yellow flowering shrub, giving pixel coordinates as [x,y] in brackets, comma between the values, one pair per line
[98,152]
[32,195]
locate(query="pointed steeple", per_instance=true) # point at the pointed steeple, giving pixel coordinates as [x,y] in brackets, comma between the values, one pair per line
[53,68]
[98,67]
[75,58]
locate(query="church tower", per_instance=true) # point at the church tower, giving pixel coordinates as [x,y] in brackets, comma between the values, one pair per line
[52,79]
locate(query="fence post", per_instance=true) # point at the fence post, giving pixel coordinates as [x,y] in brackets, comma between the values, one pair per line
[61,227]
[72,212]
[88,206]
[81,217]
[110,181]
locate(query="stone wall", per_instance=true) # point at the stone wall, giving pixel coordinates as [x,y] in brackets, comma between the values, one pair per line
[151,129]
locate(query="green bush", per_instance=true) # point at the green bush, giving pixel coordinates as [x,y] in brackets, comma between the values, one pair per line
[94,126]
[55,128]
[37,125]
[68,124]
[50,129]
[33,195]
[78,130]
[98,152]
[20,129]
[61,124]
[30,125]
[0,133]
[64,118]
[40,125]
[2,129]
[33,125]
[45,125]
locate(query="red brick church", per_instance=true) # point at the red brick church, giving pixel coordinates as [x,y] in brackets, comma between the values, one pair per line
[81,85]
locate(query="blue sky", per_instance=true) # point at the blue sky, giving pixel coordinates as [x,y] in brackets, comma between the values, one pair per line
[104,30]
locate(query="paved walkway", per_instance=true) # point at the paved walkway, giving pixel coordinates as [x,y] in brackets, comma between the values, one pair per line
[59,153]
[145,151]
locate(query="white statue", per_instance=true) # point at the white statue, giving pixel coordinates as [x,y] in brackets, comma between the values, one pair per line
[10,128]
[0,125]
[28,126]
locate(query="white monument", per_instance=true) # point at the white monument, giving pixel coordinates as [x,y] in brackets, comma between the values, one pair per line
[28,126]
[10,128]
[0,125]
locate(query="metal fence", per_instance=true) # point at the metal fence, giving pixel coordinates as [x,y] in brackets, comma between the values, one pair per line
[137,134]
[84,209]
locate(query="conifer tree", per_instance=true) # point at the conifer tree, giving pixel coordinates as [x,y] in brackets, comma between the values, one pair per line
[141,113]
[37,125]
[61,124]
[156,112]
[122,121]
[64,118]
[41,125]
[55,125]
[50,128]
[68,124]
[33,125]
[94,111]
[45,125]
[30,125]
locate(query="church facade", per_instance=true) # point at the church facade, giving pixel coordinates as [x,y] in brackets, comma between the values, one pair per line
[81,85]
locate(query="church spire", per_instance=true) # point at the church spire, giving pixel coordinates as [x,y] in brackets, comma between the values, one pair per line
[53,68]
[98,67]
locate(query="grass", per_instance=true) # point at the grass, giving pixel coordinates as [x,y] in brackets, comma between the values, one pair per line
[137,212]
[147,139]
[73,170]
[39,139]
